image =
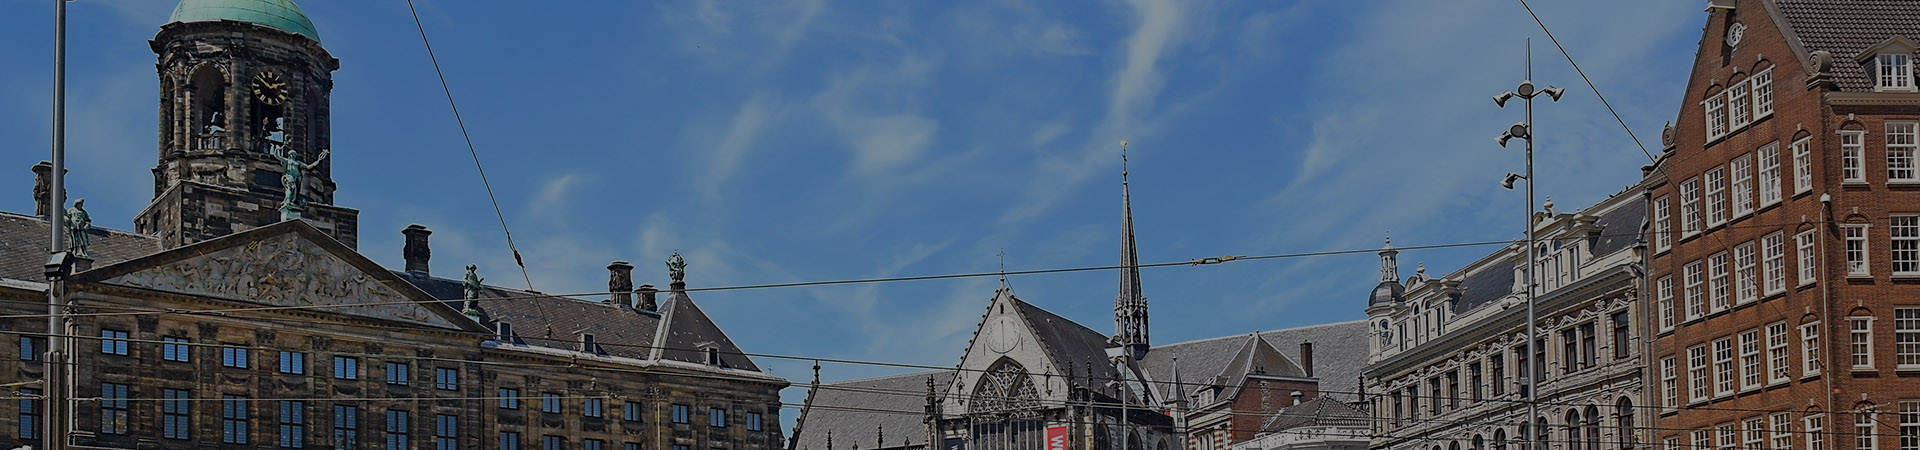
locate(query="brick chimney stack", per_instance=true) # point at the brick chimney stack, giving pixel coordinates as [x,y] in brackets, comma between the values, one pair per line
[620,283]
[1306,358]
[416,252]
[647,293]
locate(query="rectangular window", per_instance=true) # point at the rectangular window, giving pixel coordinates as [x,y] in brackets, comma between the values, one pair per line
[1904,234]
[1746,278]
[1728,435]
[717,417]
[1702,439]
[446,432]
[346,367]
[1742,168]
[1909,425]
[1906,338]
[293,362]
[1696,291]
[398,373]
[176,414]
[1473,381]
[1756,432]
[1777,353]
[1762,93]
[1569,350]
[1863,433]
[1852,147]
[1670,443]
[1769,187]
[113,342]
[753,421]
[592,444]
[1664,288]
[1723,370]
[631,446]
[1782,427]
[1896,72]
[30,348]
[1716,117]
[1773,262]
[399,435]
[1662,220]
[1739,98]
[1589,344]
[1750,359]
[1716,196]
[1717,287]
[593,407]
[1815,428]
[1669,384]
[1803,243]
[446,379]
[293,424]
[509,398]
[1499,374]
[1856,249]
[509,440]
[1698,384]
[550,402]
[1809,349]
[1860,340]
[1690,207]
[1900,147]
[630,411]
[175,349]
[682,414]
[235,357]
[551,442]
[346,427]
[114,418]
[233,419]
[1802,165]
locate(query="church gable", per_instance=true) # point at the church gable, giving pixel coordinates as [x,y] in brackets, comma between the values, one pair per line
[1003,340]
[285,264]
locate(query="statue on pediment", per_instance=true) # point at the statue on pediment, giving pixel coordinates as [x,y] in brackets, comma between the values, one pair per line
[77,224]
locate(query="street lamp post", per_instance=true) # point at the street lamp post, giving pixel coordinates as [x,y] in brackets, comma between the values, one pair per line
[1524,131]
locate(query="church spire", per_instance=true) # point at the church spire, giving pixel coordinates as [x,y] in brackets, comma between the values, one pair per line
[1130,307]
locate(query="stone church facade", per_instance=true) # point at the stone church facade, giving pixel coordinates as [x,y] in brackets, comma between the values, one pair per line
[239,314]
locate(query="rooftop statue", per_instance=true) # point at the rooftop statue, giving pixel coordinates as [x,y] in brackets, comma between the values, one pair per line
[290,178]
[677,268]
[77,224]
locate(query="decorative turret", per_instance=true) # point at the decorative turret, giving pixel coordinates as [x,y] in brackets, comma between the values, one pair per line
[1389,291]
[1130,307]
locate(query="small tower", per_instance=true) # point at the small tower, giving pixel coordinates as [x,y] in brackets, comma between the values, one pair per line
[1130,307]
[1386,296]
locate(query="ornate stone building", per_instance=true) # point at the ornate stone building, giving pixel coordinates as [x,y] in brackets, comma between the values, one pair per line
[217,324]
[1448,355]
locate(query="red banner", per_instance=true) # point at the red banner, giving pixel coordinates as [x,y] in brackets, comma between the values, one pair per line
[1057,437]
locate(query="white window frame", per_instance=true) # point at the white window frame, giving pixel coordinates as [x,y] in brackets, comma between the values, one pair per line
[1777,353]
[1690,218]
[1859,261]
[1782,427]
[1814,427]
[1809,349]
[1742,173]
[1860,342]
[1662,225]
[1669,384]
[1718,291]
[1762,82]
[1802,165]
[1903,244]
[1746,274]
[1910,425]
[1724,373]
[1906,338]
[1902,139]
[1726,435]
[1739,105]
[1894,72]
[1750,370]
[1716,196]
[1716,105]
[1699,377]
[1852,156]
[1702,439]
[1695,291]
[1804,251]
[1769,185]
[1664,288]
[1755,431]
[1773,263]
[1863,429]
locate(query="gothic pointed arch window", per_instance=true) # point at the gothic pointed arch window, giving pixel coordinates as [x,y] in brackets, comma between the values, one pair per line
[1006,387]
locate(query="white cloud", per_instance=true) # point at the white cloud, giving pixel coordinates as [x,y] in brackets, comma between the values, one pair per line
[875,111]
[554,194]
[745,129]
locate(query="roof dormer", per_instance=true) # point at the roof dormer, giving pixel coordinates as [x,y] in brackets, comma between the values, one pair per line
[1890,64]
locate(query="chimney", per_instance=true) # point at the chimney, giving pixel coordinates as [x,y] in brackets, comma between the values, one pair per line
[620,283]
[1306,358]
[42,185]
[646,297]
[415,251]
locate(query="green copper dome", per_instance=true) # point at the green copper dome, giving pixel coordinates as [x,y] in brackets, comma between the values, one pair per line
[279,14]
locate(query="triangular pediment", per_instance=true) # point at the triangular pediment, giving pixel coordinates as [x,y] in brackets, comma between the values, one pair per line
[285,264]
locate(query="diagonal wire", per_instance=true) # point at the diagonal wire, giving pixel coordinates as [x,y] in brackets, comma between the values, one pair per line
[476,154]
[1583,76]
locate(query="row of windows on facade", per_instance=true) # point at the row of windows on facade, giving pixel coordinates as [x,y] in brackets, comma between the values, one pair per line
[1775,431]
[1581,431]
[1579,350]
[236,424]
[181,350]
[1735,364]
[1559,265]
[1741,276]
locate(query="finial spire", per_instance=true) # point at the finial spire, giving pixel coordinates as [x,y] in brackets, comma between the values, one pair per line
[1389,262]
[1130,307]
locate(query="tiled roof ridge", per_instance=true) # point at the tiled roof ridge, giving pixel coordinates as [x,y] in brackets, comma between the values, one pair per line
[1261,332]
[885,377]
[96,227]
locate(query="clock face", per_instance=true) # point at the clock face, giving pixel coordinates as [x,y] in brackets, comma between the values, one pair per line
[1735,33]
[270,88]
[1002,335]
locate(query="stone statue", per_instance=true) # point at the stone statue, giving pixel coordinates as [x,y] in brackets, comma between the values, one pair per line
[472,282]
[290,178]
[78,222]
[677,268]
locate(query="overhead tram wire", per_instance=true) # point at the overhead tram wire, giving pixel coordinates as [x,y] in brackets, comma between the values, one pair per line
[470,149]
[1590,85]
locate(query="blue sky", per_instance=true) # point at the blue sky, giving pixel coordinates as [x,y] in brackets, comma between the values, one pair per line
[793,141]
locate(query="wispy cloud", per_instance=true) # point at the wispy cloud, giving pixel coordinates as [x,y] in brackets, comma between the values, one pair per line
[876,112]
[742,133]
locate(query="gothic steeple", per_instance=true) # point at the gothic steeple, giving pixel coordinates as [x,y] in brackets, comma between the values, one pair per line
[1130,307]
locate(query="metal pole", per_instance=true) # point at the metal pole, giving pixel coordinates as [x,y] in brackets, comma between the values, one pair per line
[54,395]
[1533,339]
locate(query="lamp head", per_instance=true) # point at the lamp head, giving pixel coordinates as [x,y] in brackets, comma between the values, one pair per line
[1520,130]
[1554,92]
[1526,89]
[1511,178]
[1501,100]
[1504,137]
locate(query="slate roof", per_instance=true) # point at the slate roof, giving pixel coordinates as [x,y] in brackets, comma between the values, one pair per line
[1069,343]
[1319,412]
[1620,227]
[1340,350]
[858,410]
[23,246]
[1483,287]
[1847,27]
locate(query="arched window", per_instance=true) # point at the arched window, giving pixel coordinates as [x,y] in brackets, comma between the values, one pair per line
[1592,424]
[1500,439]
[1005,387]
[1573,430]
[1479,442]
[1539,429]
[1629,436]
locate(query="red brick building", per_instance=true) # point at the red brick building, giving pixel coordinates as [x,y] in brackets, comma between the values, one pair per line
[1785,233]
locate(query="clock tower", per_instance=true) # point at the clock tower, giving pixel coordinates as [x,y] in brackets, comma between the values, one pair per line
[244,92]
